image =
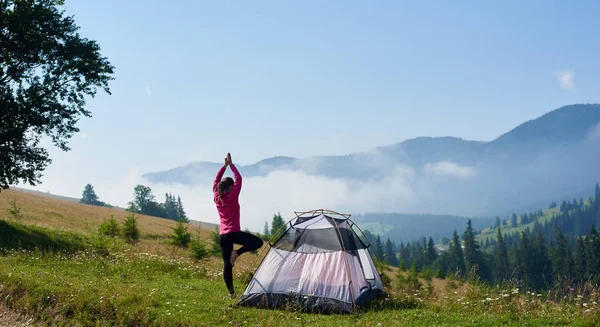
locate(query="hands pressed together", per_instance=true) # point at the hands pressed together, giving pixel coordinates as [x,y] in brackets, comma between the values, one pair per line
[228,159]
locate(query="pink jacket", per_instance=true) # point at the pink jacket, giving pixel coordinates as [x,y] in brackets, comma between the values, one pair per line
[229,209]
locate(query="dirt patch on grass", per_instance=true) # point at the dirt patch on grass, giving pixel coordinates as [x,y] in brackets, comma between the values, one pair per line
[10,318]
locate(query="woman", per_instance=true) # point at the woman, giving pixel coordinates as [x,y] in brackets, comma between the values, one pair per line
[226,193]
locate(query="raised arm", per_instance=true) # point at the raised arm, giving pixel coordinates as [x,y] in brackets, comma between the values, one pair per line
[237,185]
[218,177]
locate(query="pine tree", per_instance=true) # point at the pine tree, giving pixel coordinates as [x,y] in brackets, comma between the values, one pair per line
[277,226]
[130,227]
[473,255]
[390,254]
[170,207]
[542,267]
[457,258]
[580,260]
[431,252]
[404,255]
[501,263]
[593,257]
[524,219]
[562,260]
[180,211]
[524,259]
[514,220]
[497,222]
[379,255]
[180,237]
[266,232]
[89,195]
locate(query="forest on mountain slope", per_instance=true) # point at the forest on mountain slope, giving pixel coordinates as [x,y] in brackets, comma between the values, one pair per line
[562,250]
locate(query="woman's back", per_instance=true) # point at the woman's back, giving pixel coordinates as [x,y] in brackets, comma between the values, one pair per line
[227,202]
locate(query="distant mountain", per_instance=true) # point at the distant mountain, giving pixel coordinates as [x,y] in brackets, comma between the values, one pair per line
[562,127]
[550,158]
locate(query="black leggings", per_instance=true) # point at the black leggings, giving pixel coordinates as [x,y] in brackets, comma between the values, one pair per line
[249,243]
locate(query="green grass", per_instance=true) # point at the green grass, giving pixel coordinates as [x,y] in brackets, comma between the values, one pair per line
[71,283]
[377,228]
[489,233]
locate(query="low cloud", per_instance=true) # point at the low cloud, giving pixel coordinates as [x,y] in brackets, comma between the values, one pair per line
[148,91]
[447,168]
[594,134]
[566,79]
[283,191]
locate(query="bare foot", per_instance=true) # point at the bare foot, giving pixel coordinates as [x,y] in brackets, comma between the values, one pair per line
[234,256]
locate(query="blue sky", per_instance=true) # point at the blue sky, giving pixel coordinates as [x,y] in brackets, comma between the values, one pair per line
[195,79]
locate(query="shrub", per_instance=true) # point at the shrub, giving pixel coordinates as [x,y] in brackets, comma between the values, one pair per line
[198,248]
[215,248]
[130,229]
[427,274]
[15,210]
[408,283]
[109,227]
[180,236]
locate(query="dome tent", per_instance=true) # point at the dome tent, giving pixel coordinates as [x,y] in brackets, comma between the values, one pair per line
[318,264]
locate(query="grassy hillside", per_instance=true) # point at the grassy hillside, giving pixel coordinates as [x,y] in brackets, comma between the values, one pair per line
[54,266]
[509,229]
[406,227]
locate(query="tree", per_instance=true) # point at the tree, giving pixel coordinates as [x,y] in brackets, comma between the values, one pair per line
[215,245]
[109,227]
[171,209]
[89,195]
[562,259]
[180,212]
[142,198]
[524,257]
[277,226]
[15,210]
[580,260]
[155,209]
[266,229]
[498,223]
[431,252]
[514,220]
[457,258]
[46,71]
[593,262]
[180,237]
[130,228]
[542,266]
[379,255]
[390,254]
[473,255]
[524,219]
[501,263]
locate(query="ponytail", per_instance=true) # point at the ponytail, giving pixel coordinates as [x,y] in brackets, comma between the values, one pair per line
[224,184]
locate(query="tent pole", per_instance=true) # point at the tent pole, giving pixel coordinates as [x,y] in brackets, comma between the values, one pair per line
[369,246]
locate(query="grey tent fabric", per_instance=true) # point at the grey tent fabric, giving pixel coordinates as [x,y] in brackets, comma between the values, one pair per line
[319,264]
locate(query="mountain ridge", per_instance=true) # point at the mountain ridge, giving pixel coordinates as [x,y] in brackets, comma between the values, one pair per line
[585,112]
[539,160]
